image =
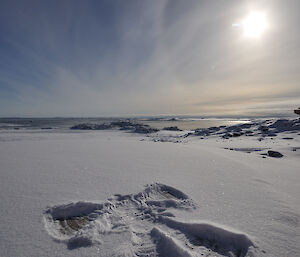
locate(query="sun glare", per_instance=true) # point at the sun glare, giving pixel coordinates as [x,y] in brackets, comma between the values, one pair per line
[254,24]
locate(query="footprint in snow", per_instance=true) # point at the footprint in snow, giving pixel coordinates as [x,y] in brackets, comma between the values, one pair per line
[143,224]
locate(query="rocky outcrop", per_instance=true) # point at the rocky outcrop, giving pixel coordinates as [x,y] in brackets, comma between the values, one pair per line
[122,125]
[90,126]
[274,154]
[173,128]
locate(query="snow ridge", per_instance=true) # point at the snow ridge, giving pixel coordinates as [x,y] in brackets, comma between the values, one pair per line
[143,224]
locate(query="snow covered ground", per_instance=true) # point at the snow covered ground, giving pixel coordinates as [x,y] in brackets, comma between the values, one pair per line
[113,193]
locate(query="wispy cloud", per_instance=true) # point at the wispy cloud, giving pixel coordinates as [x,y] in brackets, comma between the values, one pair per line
[94,58]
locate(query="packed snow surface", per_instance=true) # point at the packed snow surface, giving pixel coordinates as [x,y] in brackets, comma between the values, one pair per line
[209,192]
[142,218]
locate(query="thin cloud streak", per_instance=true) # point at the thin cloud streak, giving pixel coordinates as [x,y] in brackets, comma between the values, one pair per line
[107,58]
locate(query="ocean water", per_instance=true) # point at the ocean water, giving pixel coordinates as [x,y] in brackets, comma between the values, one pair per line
[160,123]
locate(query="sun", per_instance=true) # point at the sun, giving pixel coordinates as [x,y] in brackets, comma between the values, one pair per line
[254,24]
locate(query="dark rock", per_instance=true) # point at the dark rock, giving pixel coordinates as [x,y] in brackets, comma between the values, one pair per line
[202,132]
[84,126]
[214,128]
[263,128]
[173,128]
[227,136]
[271,135]
[274,154]
[246,125]
[122,124]
[234,128]
[144,130]
[286,125]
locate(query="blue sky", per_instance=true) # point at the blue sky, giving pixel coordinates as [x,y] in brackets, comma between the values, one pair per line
[152,57]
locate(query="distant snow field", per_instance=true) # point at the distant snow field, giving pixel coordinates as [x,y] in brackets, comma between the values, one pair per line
[221,191]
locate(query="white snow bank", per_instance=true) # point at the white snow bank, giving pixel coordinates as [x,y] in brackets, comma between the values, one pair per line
[218,238]
[73,210]
[166,245]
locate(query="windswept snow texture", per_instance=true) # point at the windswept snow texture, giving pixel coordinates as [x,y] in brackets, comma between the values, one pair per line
[143,225]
